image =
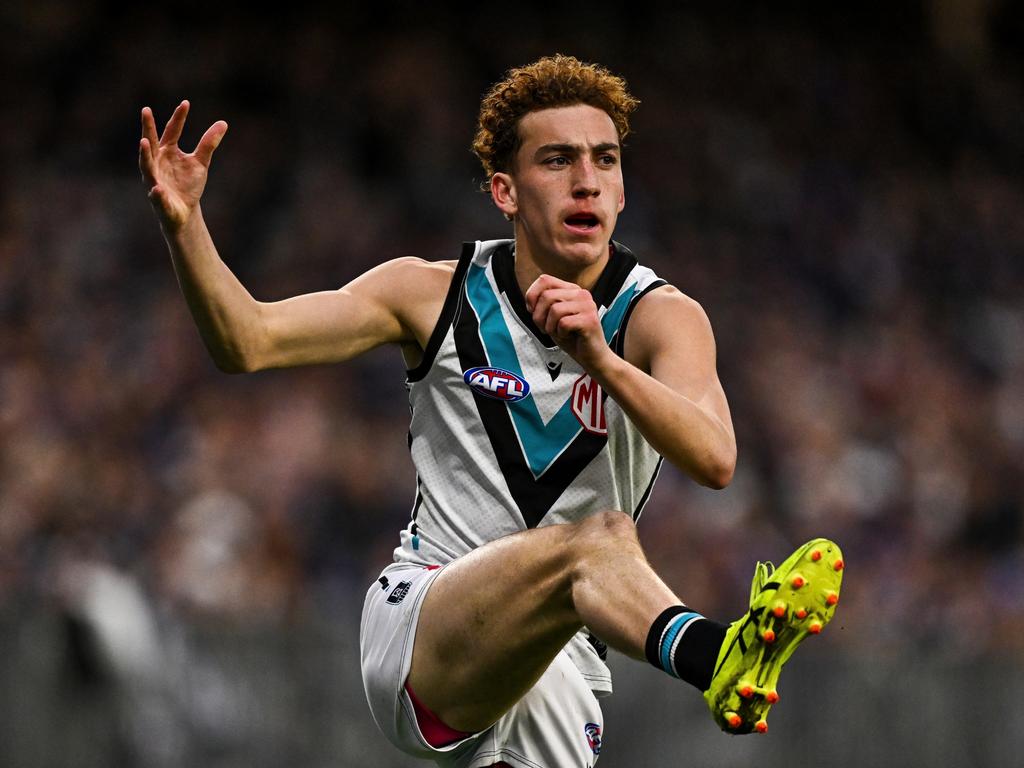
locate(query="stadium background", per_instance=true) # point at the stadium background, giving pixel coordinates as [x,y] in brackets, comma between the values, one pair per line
[183,553]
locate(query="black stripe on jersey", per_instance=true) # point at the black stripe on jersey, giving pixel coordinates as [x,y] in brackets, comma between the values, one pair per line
[650,487]
[620,263]
[451,303]
[503,263]
[619,342]
[533,496]
[419,499]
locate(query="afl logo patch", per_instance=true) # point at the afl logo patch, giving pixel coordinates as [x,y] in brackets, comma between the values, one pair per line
[593,731]
[497,383]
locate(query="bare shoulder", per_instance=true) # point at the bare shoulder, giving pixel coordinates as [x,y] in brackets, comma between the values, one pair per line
[668,304]
[415,273]
[668,317]
[416,290]
[406,283]
[414,264]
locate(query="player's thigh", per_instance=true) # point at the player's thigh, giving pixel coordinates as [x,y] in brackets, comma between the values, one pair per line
[492,622]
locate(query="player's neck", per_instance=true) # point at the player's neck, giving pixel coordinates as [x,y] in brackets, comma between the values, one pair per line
[532,263]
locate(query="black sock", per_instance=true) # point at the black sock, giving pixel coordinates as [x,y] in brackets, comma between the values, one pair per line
[685,644]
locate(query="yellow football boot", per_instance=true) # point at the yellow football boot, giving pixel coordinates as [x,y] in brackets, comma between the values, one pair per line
[787,604]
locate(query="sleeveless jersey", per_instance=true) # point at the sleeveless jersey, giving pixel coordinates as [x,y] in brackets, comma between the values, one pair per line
[508,432]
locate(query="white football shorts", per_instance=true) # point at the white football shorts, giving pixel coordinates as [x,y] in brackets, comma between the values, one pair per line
[557,724]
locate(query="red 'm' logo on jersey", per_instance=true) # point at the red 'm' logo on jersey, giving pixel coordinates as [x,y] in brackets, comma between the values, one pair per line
[588,405]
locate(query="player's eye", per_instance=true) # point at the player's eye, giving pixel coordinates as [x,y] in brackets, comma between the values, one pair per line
[608,159]
[558,160]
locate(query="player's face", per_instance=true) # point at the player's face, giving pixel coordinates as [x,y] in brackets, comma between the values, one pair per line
[565,189]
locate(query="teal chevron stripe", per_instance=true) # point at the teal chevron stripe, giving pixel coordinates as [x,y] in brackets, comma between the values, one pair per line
[542,443]
[612,318]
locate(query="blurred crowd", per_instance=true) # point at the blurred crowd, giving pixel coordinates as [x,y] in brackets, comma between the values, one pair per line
[845,198]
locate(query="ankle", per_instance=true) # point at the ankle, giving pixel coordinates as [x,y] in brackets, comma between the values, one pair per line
[685,644]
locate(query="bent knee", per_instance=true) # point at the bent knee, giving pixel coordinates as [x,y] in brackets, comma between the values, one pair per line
[608,523]
[601,528]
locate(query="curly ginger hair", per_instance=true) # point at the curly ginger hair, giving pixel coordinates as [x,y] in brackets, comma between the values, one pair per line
[553,81]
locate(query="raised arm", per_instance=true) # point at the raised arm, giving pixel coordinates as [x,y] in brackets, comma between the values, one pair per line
[392,303]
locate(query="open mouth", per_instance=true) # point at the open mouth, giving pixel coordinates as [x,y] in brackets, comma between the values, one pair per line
[584,222]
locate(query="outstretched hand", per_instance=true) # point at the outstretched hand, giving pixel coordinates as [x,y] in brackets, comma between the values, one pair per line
[175,179]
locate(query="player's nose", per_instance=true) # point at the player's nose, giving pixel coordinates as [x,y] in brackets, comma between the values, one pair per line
[585,180]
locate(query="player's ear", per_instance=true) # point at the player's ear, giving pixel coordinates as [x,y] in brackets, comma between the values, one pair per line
[622,200]
[503,193]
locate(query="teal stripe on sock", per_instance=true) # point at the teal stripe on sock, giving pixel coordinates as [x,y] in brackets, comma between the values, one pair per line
[669,638]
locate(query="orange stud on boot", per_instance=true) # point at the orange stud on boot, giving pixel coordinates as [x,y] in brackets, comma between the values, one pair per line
[772,697]
[761,726]
[734,720]
[839,565]
[831,598]
[768,636]
[797,582]
[814,628]
[746,691]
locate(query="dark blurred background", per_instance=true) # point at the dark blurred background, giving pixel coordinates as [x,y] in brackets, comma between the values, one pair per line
[183,553]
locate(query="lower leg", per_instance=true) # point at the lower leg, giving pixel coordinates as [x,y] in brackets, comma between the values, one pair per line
[622,600]
[615,592]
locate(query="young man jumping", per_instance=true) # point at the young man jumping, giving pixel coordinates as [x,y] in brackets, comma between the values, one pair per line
[548,375]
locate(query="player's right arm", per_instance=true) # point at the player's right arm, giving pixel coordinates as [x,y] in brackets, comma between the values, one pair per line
[389,304]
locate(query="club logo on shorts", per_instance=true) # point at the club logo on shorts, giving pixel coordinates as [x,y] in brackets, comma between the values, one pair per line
[497,383]
[593,731]
[588,405]
[399,592]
